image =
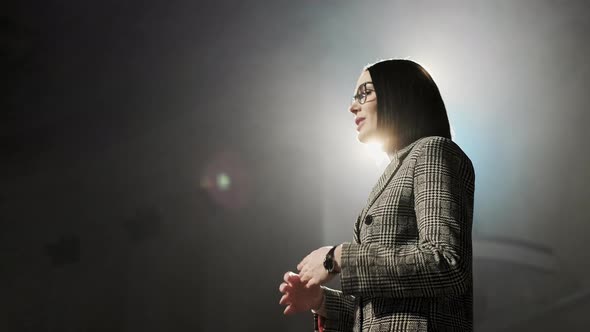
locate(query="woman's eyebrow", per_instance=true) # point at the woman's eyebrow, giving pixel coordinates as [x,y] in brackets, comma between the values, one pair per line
[365,84]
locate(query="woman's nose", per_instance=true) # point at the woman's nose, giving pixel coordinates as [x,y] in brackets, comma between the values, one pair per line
[354,107]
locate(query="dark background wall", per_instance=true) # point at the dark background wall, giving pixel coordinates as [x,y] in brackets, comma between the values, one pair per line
[164,163]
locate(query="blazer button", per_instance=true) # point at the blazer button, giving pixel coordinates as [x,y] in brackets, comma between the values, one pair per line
[368,219]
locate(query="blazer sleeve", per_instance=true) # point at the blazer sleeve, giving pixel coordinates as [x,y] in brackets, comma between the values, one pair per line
[339,311]
[440,263]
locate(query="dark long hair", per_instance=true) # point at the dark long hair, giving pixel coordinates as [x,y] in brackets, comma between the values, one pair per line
[409,105]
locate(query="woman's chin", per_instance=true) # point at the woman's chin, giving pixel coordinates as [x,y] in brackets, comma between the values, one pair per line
[363,136]
[367,138]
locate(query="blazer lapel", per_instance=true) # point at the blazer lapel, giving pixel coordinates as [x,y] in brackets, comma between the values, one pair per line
[390,170]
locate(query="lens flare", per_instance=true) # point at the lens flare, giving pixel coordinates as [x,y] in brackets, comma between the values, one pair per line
[223,181]
[227,180]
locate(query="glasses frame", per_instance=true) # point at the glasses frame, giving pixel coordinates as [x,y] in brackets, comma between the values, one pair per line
[362,93]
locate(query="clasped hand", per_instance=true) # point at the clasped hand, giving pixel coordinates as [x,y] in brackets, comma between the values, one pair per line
[302,291]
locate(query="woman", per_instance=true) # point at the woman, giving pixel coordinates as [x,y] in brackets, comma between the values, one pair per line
[409,267]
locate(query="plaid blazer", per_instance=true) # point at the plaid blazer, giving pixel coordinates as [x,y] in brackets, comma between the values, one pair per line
[409,267]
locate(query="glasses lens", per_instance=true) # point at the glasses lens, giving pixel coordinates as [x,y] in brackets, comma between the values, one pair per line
[361,95]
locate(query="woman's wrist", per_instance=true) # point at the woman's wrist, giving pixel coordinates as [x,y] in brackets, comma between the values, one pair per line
[320,302]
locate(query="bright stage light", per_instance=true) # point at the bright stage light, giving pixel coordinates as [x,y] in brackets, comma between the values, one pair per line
[375,150]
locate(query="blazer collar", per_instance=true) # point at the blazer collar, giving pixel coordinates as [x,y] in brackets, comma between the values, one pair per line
[397,159]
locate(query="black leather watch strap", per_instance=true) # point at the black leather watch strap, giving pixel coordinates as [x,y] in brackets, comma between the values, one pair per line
[329,262]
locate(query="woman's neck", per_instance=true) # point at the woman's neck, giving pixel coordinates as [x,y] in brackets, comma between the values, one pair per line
[390,154]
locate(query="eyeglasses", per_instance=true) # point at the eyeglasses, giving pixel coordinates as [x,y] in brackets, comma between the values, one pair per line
[362,93]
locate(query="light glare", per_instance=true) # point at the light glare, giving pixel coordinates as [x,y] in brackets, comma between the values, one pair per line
[375,150]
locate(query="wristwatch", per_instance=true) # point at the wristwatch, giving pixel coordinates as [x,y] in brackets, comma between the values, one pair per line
[329,263]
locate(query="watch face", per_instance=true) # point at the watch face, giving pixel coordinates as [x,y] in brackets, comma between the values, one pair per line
[328,264]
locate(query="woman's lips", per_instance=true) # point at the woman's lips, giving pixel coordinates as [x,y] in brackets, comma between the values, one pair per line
[359,123]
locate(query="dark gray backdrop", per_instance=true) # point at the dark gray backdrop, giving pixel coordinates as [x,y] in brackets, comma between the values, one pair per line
[123,122]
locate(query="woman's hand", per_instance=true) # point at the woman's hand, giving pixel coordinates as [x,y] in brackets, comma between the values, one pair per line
[297,296]
[311,269]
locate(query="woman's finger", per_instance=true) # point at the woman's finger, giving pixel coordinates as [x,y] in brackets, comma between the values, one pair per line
[284,299]
[302,263]
[284,288]
[290,309]
[293,279]
[304,277]
[300,266]
[288,276]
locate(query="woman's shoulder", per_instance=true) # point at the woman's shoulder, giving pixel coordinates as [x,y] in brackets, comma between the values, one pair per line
[438,144]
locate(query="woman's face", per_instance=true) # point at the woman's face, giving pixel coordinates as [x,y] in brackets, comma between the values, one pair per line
[364,107]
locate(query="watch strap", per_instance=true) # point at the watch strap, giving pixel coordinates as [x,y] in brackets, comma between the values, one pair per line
[329,262]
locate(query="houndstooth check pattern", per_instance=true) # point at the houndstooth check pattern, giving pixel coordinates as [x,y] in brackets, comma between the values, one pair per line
[409,267]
